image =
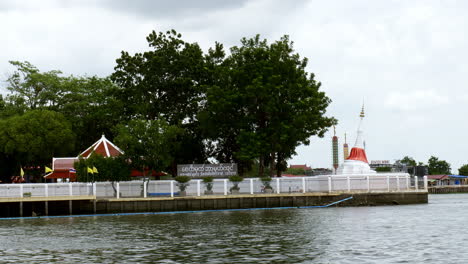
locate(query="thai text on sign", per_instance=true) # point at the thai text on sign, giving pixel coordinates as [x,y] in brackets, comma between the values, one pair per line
[202,170]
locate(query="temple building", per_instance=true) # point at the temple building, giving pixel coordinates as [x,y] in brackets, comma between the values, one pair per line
[357,163]
[63,168]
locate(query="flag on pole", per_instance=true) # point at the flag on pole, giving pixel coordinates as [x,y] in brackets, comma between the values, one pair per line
[72,170]
[95,170]
[47,169]
[90,170]
[21,172]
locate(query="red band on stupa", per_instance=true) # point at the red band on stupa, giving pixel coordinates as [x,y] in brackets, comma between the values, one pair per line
[358,154]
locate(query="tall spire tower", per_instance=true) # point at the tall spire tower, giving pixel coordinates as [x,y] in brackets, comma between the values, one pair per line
[345,148]
[335,149]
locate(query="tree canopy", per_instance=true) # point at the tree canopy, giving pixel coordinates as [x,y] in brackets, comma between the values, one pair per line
[264,103]
[408,161]
[463,170]
[437,166]
[171,104]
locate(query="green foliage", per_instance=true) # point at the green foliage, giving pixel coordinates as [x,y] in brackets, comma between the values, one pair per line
[262,103]
[295,171]
[31,87]
[207,179]
[266,182]
[182,182]
[36,136]
[170,105]
[383,169]
[167,81]
[148,143]
[437,167]
[182,179]
[235,178]
[408,161]
[463,170]
[109,169]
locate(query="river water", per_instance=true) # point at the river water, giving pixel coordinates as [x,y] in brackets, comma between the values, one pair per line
[428,233]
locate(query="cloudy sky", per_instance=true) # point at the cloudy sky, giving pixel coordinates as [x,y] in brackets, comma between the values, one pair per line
[405,59]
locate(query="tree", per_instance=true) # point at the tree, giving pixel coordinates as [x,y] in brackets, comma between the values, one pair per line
[265,103]
[296,171]
[89,103]
[437,166]
[148,144]
[409,161]
[33,138]
[166,82]
[463,170]
[33,88]
[383,169]
[109,169]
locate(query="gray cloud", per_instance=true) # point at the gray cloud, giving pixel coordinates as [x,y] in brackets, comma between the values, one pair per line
[163,9]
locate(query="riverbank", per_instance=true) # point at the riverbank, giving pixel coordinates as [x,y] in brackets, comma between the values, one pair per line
[90,205]
[448,189]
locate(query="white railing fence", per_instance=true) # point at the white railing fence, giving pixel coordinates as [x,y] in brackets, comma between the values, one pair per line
[318,184]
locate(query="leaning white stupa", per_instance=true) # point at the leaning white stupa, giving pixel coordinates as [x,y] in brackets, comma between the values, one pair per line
[357,162]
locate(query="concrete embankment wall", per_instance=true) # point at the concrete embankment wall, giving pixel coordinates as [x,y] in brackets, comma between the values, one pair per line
[448,189]
[130,205]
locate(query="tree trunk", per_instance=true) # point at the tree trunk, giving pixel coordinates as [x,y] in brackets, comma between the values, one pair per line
[279,162]
[272,164]
[261,166]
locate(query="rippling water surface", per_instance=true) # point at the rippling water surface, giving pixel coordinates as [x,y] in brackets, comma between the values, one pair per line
[429,233]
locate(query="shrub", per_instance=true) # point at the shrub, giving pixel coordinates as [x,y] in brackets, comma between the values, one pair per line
[182,179]
[235,178]
[182,182]
[266,182]
[208,181]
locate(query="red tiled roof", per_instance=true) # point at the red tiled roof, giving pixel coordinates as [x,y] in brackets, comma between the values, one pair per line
[291,175]
[437,177]
[63,163]
[103,147]
[61,174]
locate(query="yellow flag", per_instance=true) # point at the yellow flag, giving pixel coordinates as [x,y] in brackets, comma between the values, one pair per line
[95,170]
[90,170]
[21,172]
[47,169]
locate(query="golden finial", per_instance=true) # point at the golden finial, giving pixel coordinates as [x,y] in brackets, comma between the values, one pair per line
[362,111]
[334,131]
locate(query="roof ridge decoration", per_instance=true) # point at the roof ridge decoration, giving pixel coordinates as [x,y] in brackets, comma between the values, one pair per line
[106,145]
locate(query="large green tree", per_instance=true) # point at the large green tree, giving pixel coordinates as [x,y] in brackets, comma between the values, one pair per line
[437,166]
[32,88]
[32,139]
[265,102]
[89,103]
[166,82]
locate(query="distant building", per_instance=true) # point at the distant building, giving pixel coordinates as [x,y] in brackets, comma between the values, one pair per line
[380,163]
[64,168]
[307,169]
[400,167]
[444,180]
[321,171]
